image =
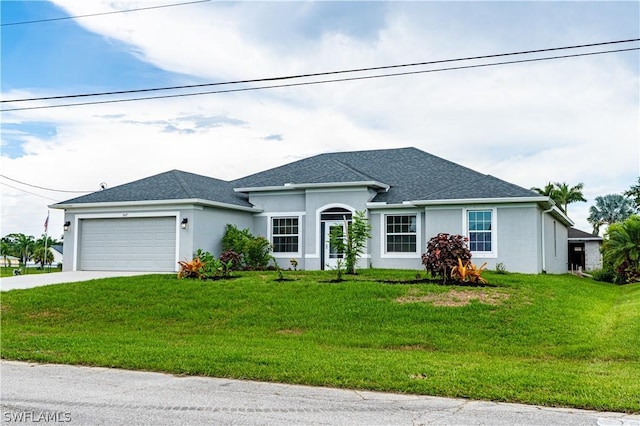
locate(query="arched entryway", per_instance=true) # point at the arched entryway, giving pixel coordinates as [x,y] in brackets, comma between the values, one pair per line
[332,218]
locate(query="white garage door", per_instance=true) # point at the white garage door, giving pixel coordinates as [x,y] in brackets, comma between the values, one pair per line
[128,244]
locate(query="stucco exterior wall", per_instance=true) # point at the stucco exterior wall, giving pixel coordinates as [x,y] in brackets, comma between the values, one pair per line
[517,240]
[209,226]
[380,259]
[555,246]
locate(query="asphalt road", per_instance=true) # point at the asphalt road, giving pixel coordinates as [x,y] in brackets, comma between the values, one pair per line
[57,394]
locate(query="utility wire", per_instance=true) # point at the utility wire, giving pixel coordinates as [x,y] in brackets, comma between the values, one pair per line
[31,193]
[291,77]
[246,89]
[41,187]
[102,13]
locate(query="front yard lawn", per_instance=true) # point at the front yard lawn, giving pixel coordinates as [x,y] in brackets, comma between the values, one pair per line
[535,339]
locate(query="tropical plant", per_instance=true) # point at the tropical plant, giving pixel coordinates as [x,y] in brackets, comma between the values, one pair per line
[634,194]
[621,249]
[354,240]
[565,195]
[42,255]
[609,209]
[548,190]
[475,273]
[191,268]
[5,250]
[233,259]
[468,272]
[443,252]
[562,194]
[24,247]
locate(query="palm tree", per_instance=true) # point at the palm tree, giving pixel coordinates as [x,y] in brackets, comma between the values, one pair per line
[609,209]
[43,255]
[548,190]
[562,194]
[566,195]
[621,249]
[24,247]
[5,250]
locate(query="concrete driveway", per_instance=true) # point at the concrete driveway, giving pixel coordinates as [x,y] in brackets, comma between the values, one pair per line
[32,393]
[36,280]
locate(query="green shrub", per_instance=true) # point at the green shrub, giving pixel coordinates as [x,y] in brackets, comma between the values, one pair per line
[605,275]
[254,251]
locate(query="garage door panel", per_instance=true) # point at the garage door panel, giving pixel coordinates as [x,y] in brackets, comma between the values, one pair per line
[128,244]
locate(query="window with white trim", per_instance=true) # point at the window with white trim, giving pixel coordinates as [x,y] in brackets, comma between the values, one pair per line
[285,234]
[401,233]
[480,228]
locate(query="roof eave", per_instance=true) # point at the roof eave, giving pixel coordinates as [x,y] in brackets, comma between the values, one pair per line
[294,186]
[497,200]
[149,203]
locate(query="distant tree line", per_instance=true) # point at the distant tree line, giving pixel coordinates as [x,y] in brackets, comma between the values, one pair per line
[27,248]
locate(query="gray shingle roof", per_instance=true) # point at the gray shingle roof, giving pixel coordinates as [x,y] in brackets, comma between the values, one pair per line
[172,185]
[575,233]
[412,175]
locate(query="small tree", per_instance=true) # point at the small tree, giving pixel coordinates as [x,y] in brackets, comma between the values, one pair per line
[354,240]
[444,252]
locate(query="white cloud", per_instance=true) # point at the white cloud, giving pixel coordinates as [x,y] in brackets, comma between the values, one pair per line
[573,120]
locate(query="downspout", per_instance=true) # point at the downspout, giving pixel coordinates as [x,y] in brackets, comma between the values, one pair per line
[544,254]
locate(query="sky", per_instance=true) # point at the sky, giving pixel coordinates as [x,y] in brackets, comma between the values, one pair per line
[573,120]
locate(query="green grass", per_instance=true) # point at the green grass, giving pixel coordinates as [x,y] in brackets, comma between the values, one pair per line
[7,271]
[548,340]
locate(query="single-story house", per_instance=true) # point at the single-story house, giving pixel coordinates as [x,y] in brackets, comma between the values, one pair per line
[57,250]
[408,195]
[584,251]
[9,261]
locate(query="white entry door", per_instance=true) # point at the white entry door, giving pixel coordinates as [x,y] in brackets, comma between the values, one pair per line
[331,252]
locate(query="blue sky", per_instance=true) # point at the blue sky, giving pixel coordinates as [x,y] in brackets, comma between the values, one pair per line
[572,120]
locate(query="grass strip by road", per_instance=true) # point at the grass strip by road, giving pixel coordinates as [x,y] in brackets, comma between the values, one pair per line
[536,339]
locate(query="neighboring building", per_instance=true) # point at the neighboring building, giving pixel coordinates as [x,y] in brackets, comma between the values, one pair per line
[57,249]
[409,196]
[10,261]
[584,251]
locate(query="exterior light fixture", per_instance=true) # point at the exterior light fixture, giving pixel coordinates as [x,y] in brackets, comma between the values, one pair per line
[67,224]
[184,223]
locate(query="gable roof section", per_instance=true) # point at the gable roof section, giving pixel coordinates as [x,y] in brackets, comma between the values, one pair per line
[172,185]
[412,175]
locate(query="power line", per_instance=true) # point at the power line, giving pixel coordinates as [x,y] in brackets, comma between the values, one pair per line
[31,193]
[298,76]
[102,13]
[246,89]
[41,187]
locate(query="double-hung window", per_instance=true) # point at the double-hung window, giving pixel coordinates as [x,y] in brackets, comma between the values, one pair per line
[480,228]
[401,233]
[285,234]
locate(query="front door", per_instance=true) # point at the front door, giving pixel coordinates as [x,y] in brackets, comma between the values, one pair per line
[331,252]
